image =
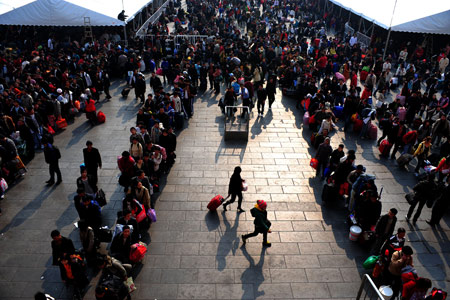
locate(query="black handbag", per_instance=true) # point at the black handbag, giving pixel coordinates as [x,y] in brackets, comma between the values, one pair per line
[101,198]
[410,197]
[104,235]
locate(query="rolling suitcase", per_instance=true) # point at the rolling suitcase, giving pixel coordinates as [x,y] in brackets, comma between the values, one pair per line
[215,202]
[373,132]
[404,159]
[306,119]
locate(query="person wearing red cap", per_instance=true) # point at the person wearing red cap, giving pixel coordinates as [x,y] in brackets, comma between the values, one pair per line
[262,225]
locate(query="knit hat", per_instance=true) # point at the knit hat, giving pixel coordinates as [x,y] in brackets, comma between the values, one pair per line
[262,204]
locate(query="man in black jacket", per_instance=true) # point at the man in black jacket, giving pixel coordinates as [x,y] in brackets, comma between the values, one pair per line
[384,229]
[262,95]
[60,246]
[140,87]
[127,219]
[92,160]
[168,140]
[155,83]
[423,191]
[52,156]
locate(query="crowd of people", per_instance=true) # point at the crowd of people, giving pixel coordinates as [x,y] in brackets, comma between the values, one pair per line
[254,50]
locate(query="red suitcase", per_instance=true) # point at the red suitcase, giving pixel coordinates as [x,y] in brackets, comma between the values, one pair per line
[385,147]
[357,126]
[373,132]
[215,202]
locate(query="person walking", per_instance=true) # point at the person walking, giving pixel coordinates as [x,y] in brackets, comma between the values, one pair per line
[271,88]
[441,205]
[261,95]
[262,225]
[92,160]
[235,189]
[423,191]
[52,156]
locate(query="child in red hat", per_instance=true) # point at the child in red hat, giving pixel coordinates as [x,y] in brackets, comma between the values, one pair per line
[262,225]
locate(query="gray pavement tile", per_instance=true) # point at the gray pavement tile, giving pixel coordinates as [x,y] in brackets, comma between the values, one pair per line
[307,226]
[301,261]
[179,275]
[163,261]
[300,237]
[156,291]
[234,291]
[225,276]
[273,291]
[315,248]
[310,290]
[199,262]
[196,291]
[324,275]
[342,290]
[336,261]
[288,275]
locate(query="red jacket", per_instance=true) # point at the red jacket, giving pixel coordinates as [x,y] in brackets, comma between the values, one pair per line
[410,137]
[126,166]
[409,285]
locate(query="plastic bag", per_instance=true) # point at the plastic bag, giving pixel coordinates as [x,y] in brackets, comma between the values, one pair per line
[314,163]
[370,262]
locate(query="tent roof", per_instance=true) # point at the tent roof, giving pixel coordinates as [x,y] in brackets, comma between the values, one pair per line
[55,13]
[431,16]
[109,8]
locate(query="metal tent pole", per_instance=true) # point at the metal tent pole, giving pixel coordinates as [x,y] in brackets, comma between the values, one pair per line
[387,43]
[389,32]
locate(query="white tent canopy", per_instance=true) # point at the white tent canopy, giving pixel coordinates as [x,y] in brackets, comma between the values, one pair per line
[55,13]
[431,16]
[108,8]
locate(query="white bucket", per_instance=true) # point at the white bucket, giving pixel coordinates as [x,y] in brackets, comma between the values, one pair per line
[386,291]
[355,231]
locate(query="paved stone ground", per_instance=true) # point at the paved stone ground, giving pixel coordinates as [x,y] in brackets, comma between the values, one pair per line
[198,255]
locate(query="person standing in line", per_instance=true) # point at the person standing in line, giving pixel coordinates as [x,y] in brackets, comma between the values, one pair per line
[384,229]
[323,154]
[92,160]
[262,225]
[235,189]
[60,246]
[52,156]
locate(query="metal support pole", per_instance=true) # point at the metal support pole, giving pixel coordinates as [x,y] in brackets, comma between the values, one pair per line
[371,34]
[360,22]
[387,43]
[324,6]
[349,16]
[125,35]
[340,11]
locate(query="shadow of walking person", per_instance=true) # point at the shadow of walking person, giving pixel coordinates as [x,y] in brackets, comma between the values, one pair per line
[254,274]
[229,241]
